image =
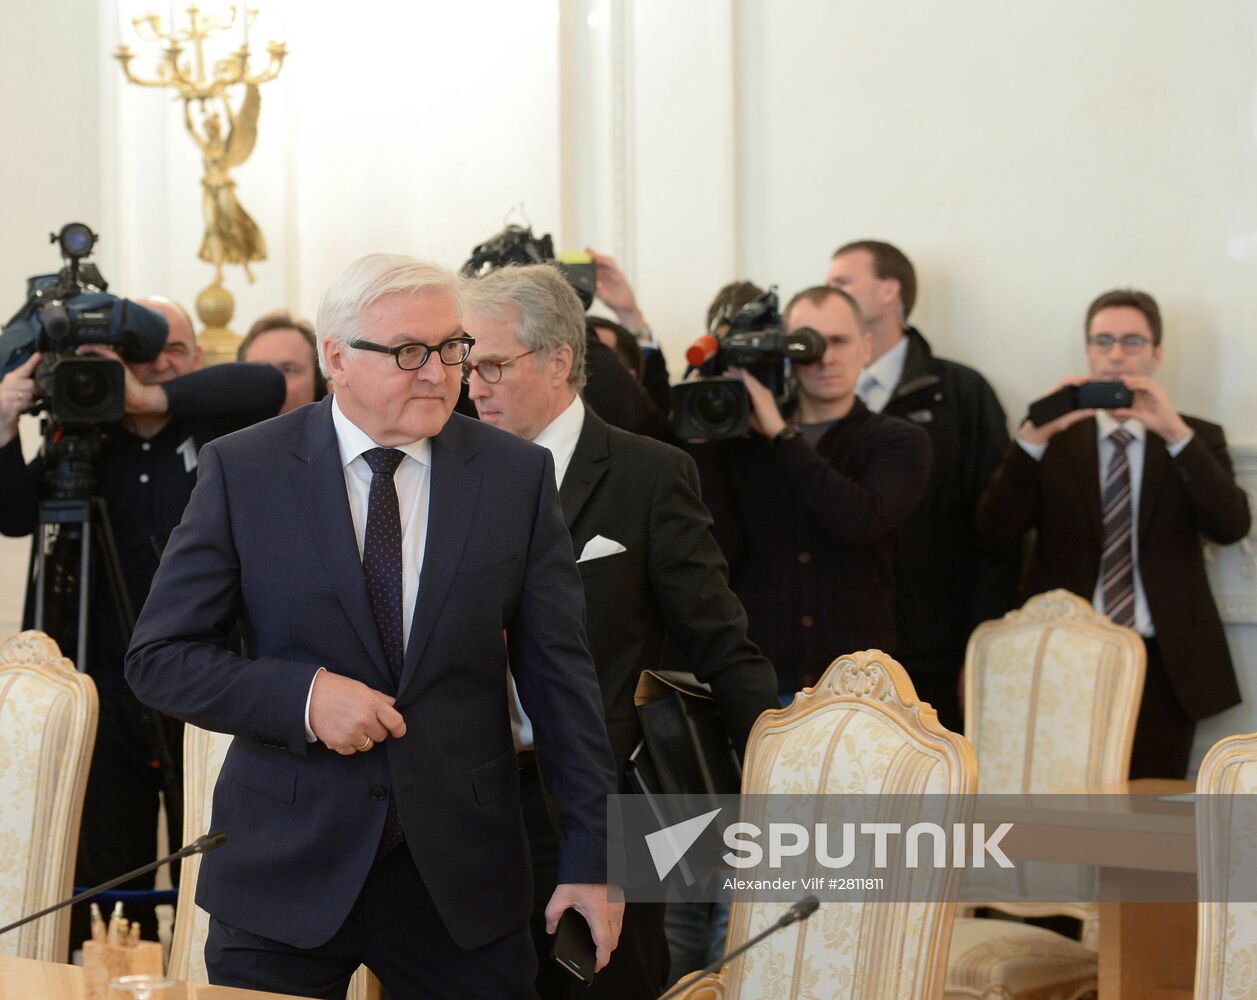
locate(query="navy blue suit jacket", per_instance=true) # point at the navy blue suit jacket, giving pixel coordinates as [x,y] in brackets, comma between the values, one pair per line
[267,541]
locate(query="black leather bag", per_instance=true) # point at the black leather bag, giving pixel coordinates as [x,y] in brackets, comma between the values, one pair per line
[685,749]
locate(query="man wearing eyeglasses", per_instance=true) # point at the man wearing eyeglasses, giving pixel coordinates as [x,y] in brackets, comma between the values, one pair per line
[651,570]
[375,550]
[1118,501]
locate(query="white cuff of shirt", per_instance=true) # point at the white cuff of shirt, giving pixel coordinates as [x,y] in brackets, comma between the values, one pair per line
[1035,451]
[1177,449]
[310,737]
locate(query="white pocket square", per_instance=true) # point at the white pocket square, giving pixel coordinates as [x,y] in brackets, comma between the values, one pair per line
[598,547]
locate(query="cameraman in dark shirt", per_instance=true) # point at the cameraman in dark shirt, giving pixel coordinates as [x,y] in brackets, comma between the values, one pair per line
[147,469]
[808,508]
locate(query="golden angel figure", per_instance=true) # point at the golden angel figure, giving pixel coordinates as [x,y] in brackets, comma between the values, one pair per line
[231,236]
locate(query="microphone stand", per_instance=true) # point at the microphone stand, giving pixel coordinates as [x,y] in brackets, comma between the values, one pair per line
[801,910]
[202,845]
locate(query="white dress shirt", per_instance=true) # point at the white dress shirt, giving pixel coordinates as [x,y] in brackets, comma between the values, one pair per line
[412,480]
[878,381]
[560,437]
[1105,426]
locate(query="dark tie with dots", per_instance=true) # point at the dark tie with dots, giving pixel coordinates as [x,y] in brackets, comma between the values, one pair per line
[1117,565]
[382,568]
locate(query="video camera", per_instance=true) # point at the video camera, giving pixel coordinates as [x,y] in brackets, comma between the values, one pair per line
[66,310]
[715,408]
[516,245]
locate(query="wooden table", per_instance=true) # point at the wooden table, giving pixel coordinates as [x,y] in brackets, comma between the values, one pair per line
[1141,846]
[26,979]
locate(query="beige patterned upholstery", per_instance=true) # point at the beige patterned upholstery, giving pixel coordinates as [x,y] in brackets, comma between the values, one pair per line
[1051,696]
[860,731]
[203,755]
[1226,844]
[48,713]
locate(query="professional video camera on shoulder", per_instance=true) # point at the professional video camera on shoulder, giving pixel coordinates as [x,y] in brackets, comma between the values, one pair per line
[62,312]
[516,245]
[715,408]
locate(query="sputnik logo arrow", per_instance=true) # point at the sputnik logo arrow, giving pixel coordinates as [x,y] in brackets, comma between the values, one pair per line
[668,846]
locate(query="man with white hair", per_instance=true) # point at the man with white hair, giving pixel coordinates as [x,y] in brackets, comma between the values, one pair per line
[383,559]
[651,570]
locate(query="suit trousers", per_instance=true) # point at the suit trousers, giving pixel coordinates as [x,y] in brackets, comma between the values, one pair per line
[639,964]
[394,929]
[1163,731]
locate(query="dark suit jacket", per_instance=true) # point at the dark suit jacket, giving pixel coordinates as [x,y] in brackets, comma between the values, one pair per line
[268,539]
[1180,499]
[670,582]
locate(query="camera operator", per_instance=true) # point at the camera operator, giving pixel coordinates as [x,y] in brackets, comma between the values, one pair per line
[808,508]
[146,470]
[615,292]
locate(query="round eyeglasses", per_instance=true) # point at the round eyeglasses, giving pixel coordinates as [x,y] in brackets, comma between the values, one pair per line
[491,371]
[410,357]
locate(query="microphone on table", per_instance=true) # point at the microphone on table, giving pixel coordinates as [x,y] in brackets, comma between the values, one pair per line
[801,910]
[202,845]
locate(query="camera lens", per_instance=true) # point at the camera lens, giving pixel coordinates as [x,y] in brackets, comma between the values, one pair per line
[716,408]
[86,387]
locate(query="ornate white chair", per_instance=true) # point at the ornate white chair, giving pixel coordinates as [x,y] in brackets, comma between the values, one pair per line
[1051,696]
[48,713]
[859,731]
[1226,844]
[203,755]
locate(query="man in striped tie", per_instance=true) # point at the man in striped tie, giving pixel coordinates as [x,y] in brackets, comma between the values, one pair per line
[1119,500]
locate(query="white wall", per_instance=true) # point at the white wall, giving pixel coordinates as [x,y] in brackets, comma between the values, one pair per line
[1026,156]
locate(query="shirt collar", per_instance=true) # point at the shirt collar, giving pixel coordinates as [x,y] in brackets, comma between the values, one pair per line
[561,434]
[1106,425]
[888,369]
[353,440]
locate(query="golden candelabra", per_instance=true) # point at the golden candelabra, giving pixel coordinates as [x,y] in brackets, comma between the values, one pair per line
[226,140]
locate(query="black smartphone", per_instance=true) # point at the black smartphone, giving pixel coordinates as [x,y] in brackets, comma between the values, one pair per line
[573,946]
[1088,396]
[1103,396]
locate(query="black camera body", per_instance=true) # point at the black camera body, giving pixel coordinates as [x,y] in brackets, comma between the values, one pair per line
[66,310]
[714,408]
[516,245]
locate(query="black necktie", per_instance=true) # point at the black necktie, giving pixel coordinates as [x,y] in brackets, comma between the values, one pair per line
[382,568]
[382,554]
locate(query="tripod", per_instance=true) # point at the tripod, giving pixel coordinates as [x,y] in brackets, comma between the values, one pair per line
[75,552]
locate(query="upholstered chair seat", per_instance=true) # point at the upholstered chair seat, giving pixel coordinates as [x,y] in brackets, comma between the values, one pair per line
[1051,696]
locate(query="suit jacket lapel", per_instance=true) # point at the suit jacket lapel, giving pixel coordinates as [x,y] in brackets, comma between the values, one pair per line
[1084,455]
[587,467]
[1156,468]
[319,481]
[454,486]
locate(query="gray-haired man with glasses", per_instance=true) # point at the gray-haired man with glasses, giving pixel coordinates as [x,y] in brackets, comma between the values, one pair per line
[1118,500]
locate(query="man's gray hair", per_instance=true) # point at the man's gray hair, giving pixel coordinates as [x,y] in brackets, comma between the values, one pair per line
[545,306]
[369,279]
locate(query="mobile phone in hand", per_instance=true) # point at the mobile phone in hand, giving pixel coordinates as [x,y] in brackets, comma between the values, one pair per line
[1088,396]
[573,946]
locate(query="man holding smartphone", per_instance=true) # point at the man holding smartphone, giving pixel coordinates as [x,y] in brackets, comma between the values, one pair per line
[1118,499]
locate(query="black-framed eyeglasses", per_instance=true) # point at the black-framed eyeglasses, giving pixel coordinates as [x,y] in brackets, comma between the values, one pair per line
[410,357]
[1132,343]
[491,371]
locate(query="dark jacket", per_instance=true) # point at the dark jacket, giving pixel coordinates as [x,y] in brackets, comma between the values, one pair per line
[1180,499]
[946,580]
[810,535]
[671,582]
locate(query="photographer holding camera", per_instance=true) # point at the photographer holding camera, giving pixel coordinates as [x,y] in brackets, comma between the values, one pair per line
[143,467]
[808,507]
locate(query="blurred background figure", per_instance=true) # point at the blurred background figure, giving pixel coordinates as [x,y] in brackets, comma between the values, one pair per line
[288,343]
